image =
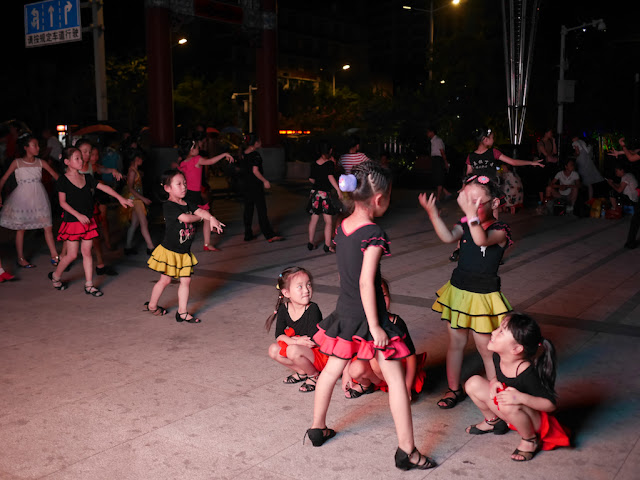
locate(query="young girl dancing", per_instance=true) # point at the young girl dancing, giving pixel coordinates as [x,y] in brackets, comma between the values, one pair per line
[297,318]
[140,202]
[190,165]
[173,257]
[360,324]
[28,207]
[78,228]
[483,161]
[368,372]
[472,299]
[522,392]
[320,203]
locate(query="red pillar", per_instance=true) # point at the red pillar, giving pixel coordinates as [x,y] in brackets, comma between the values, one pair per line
[160,74]
[266,73]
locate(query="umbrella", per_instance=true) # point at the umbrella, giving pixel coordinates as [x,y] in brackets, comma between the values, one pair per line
[235,130]
[212,130]
[94,129]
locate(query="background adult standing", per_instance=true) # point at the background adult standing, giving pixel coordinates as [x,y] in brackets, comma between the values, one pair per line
[354,157]
[439,163]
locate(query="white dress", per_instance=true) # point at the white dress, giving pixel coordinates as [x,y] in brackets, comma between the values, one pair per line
[27,207]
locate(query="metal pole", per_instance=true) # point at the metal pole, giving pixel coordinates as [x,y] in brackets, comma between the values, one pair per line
[563,33]
[250,109]
[334,84]
[431,42]
[99,59]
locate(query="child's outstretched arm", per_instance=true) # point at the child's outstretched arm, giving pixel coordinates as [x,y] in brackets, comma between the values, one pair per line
[213,221]
[216,159]
[370,261]
[520,163]
[5,177]
[49,169]
[125,202]
[511,396]
[441,229]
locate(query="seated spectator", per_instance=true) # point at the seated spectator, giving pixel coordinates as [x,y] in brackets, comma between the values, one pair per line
[625,192]
[565,185]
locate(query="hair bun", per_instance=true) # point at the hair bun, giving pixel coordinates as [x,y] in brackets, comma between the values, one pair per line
[348,183]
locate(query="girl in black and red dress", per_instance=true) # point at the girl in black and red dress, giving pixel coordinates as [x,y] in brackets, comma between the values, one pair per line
[522,393]
[360,323]
[78,229]
[297,319]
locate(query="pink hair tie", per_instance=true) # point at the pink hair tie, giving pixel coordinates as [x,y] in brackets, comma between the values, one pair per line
[483,180]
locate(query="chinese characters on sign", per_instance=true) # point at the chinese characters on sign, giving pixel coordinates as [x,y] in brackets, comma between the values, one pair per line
[51,22]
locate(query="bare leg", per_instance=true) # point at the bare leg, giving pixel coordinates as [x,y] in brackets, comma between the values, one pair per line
[157,290]
[105,226]
[98,250]
[313,222]
[299,358]
[20,247]
[144,227]
[455,353]
[131,231]
[69,254]
[482,342]
[477,388]
[183,295]
[87,260]
[324,387]
[398,402]
[328,228]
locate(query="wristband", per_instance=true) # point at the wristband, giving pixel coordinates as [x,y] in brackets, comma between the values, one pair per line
[474,221]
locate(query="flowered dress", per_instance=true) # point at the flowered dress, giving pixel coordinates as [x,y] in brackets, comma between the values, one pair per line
[320,201]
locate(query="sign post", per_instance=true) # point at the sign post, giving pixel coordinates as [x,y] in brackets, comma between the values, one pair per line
[52,21]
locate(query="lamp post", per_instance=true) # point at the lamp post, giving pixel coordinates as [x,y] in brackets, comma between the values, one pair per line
[431,11]
[562,86]
[344,67]
[249,107]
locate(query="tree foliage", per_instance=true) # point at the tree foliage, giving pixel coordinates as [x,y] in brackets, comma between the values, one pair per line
[127,90]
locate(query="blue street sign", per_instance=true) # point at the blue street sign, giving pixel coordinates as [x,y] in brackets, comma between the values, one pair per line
[52,21]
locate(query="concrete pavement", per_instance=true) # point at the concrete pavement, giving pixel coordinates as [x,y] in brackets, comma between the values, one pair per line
[96,388]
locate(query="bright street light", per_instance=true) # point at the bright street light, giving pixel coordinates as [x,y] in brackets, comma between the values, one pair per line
[430,12]
[344,67]
[182,41]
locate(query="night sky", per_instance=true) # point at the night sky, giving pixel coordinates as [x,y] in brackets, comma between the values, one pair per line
[603,63]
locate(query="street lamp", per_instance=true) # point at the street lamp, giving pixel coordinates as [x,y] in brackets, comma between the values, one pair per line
[431,11]
[182,41]
[564,86]
[344,67]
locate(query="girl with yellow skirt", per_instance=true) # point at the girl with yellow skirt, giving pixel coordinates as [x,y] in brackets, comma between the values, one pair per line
[472,299]
[173,257]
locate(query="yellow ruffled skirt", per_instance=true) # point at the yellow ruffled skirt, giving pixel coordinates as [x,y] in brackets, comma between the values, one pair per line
[480,312]
[172,264]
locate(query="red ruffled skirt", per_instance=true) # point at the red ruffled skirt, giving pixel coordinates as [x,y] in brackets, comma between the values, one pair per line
[551,433]
[358,346]
[76,231]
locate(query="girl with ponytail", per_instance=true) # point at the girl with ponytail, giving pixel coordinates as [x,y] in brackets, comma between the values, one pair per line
[297,320]
[522,394]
